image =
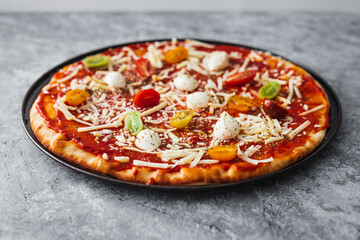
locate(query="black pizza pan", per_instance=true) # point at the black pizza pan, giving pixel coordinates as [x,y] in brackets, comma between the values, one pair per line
[335,120]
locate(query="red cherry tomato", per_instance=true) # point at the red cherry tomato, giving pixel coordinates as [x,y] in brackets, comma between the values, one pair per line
[239,79]
[274,110]
[146,98]
[144,68]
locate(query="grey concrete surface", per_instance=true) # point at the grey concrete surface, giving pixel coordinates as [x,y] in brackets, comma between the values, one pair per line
[41,199]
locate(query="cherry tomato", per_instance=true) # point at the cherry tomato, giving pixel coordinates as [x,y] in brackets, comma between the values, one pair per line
[133,123]
[182,119]
[223,153]
[240,104]
[274,110]
[140,52]
[146,98]
[76,96]
[144,68]
[176,55]
[239,79]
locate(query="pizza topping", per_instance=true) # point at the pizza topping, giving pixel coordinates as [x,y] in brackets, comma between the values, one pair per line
[115,79]
[147,140]
[117,122]
[144,68]
[291,90]
[245,157]
[105,156]
[312,110]
[185,82]
[151,164]
[154,109]
[146,98]
[299,129]
[122,159]
[197,158]
[216,61]
[274,110]
[226,127]
[270,90]
[176,55]
[184,137]
[68,77]
[240,103]
[182,118]
[76,97]
[133,123]
[96,61]
[240,79]
[154,56]
[197,100]
[223,153]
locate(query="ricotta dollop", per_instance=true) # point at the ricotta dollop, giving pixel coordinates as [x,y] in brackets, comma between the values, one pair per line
[185,82]
[216,61]
[197,100]
[147,140]
[226,127]
[115,79]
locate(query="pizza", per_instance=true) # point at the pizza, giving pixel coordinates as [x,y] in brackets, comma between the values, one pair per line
[181,112]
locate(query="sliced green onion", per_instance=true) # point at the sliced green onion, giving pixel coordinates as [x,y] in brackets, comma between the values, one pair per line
[269,90]
[96,61]
[133,123]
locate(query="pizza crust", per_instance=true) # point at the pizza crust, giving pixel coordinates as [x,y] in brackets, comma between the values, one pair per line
[70,151]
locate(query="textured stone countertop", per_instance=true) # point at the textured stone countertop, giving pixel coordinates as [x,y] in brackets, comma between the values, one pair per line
[42,199]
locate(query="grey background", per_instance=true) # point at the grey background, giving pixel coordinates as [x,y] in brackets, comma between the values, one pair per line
[41,199]
[178,5]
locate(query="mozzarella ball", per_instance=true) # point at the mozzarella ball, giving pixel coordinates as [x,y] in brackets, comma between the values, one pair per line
[216,61]
[226,127]
[197,100]
[115,79]
[185,82]
[147,140]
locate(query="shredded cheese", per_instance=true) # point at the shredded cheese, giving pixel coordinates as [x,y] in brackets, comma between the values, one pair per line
[122,159]
[71,75]
[197,158]
[312,110]
[151,164]
[299,129]
[117,123]
[154,109]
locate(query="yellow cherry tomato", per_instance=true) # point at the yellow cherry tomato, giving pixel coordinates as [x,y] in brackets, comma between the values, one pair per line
[182,119]
[176,55]
[223,153]
[76,96]
[240,104]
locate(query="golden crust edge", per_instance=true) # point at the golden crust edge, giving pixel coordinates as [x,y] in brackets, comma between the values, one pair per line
[70,151]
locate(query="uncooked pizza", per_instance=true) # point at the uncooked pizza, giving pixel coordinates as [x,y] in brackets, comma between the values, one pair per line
[181,112]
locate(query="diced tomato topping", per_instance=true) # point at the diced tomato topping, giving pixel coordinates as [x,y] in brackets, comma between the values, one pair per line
[239,79]
[274,110]
[146,98]
[144,68]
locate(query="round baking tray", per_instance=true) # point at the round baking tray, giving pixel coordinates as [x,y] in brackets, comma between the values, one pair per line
[32,93]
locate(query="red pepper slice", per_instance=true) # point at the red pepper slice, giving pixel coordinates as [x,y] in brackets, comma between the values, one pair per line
[146,98]
[143,67]
[239,79]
